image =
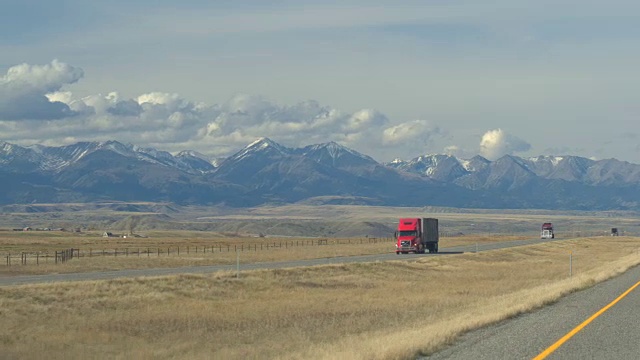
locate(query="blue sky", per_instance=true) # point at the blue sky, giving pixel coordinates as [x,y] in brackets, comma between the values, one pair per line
[389,79]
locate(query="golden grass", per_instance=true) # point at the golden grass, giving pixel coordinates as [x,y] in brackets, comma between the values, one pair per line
[378,310]
[178,249]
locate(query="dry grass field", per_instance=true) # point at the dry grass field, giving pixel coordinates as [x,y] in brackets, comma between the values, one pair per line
[308,219]
[183,248]
[378,310]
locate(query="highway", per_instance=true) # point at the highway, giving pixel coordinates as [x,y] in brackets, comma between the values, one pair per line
[106,275]
[608,333]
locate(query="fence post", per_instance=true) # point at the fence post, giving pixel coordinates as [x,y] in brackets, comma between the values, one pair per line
[570,263]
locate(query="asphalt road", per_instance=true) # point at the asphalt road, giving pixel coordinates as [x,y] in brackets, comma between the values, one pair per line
[106,275]
[614,334]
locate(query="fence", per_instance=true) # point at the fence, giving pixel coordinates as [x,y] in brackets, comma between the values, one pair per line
[62,256]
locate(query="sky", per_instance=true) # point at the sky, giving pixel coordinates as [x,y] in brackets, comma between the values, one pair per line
[390,79]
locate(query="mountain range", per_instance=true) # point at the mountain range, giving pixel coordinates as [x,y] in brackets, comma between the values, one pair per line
[265,172]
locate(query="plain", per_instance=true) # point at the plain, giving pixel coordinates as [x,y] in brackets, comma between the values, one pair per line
[378,310]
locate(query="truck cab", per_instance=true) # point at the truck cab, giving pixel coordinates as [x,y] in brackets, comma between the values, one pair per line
[408,236]
[547,231]
[416,235]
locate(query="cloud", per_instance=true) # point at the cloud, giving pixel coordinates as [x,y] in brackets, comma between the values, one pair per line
[497,143]
[244,117]
[24,89]
[32,93]
[419,131]
[171,122]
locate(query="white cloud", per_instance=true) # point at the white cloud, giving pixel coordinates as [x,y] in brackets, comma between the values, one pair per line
[170,122]
[24,90]
[46,78]
[453,150]
[419,131]
[497,143]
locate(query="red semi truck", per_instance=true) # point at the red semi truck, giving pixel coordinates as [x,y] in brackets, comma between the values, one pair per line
[547,231]
[417,235]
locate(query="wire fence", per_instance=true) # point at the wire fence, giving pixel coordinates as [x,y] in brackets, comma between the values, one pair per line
[62,256]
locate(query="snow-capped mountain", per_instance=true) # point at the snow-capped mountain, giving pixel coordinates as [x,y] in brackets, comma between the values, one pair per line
[267,172]
[439,167]
[477,170]
[196,160]
[333,154]
[57,158]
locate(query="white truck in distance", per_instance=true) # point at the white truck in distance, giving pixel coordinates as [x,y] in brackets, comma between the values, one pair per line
[547,231]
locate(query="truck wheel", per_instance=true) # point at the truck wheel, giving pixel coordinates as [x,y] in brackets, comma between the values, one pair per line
[397,252]
[436,247]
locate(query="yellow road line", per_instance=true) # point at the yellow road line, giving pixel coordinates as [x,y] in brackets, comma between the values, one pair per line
[570,334]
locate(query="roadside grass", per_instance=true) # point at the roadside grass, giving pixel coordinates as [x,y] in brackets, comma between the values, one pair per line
[377,310]
[176,249]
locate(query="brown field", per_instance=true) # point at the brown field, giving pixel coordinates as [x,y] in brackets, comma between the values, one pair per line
[378,310]
[183,248]
[309,220]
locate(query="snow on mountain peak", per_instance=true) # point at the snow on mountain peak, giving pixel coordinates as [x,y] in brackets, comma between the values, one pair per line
[466,164]
[554,160]
[262,144]
[7,148]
